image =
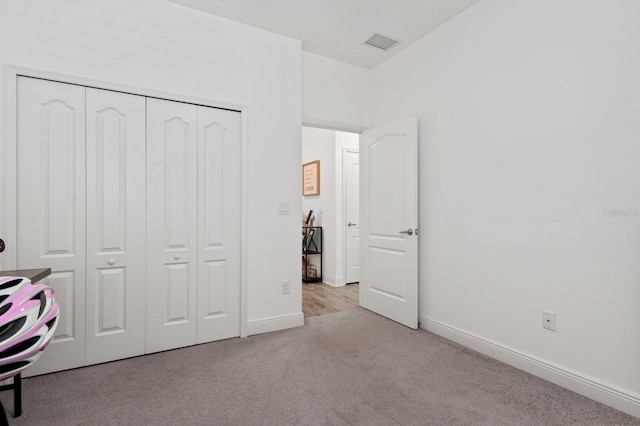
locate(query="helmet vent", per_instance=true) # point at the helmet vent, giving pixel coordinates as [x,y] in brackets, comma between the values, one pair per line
[10,284]
[5,308]
[43,301]
[8,330]
[50,323]
[13,366]
[20,347]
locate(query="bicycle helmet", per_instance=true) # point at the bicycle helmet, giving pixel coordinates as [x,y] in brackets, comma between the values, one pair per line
[28,319]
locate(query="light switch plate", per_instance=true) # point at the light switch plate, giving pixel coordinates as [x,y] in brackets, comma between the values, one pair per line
[283,208]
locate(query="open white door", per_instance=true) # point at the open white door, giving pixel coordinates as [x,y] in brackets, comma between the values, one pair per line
[389,220]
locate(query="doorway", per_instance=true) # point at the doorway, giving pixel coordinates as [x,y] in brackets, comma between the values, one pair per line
[334,211]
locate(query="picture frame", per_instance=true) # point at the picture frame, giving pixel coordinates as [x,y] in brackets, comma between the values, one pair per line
[311,178]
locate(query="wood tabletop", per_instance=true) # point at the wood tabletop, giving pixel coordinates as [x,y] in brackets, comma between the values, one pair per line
[34,275]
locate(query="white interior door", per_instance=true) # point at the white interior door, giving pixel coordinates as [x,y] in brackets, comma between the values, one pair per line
[351,164]
[389,220]
[219,213]
[116,195]
[51,207]
[172,208]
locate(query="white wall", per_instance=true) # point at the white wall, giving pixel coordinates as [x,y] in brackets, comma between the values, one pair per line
[529,129]
[159,45]
[335,95]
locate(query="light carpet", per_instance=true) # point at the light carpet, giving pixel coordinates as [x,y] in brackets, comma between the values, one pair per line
[351,367]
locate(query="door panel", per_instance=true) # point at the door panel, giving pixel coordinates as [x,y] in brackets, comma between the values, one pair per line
[178,291]
[214,286]
[172,209]
[389,197]
[64,283]
[110,306]
[115,225]
[352,209]
[51,207]
[219,213]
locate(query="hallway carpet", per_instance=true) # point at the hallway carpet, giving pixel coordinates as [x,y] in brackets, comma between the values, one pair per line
[351,367]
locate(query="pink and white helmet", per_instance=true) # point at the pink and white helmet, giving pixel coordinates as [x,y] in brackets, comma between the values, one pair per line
[28,319]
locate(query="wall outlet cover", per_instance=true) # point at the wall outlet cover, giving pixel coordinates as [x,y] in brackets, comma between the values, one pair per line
[549,320]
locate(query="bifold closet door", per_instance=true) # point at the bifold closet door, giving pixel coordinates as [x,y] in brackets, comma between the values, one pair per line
[51,207]
[219,213]
[172,212]
[193,224]
[116,194]
[135,205]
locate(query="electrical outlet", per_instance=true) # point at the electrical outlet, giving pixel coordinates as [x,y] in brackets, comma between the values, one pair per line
[549,320]
[286,287]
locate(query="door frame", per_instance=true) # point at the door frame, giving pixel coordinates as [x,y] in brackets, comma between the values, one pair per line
[8,154]
[343,212]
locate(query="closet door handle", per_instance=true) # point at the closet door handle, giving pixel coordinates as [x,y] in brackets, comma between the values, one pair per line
[176,256]
[111,261]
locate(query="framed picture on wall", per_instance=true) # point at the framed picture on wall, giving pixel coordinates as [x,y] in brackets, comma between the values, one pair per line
[311,178]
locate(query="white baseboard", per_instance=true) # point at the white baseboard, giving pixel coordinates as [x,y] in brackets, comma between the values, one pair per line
[328,279]
[333,281]
[605,393]
[267,325]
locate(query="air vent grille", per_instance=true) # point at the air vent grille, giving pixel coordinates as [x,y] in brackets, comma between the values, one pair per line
[381,42]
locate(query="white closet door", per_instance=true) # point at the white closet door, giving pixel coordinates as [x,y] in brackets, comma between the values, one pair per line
[171,224]
[116,194]
[51,207]
[219,215]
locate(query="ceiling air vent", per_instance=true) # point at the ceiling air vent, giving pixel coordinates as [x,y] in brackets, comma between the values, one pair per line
[381,42]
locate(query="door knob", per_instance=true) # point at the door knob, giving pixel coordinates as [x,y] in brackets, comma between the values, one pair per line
[408,232]
[176,256]
[351,224]
[111,261]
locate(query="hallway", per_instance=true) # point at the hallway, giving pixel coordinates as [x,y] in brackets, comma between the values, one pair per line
[321,299]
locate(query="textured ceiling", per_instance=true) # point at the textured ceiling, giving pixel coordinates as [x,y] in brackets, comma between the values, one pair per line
[337,28]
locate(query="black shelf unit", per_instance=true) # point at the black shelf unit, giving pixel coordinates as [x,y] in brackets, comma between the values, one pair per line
[311,253]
